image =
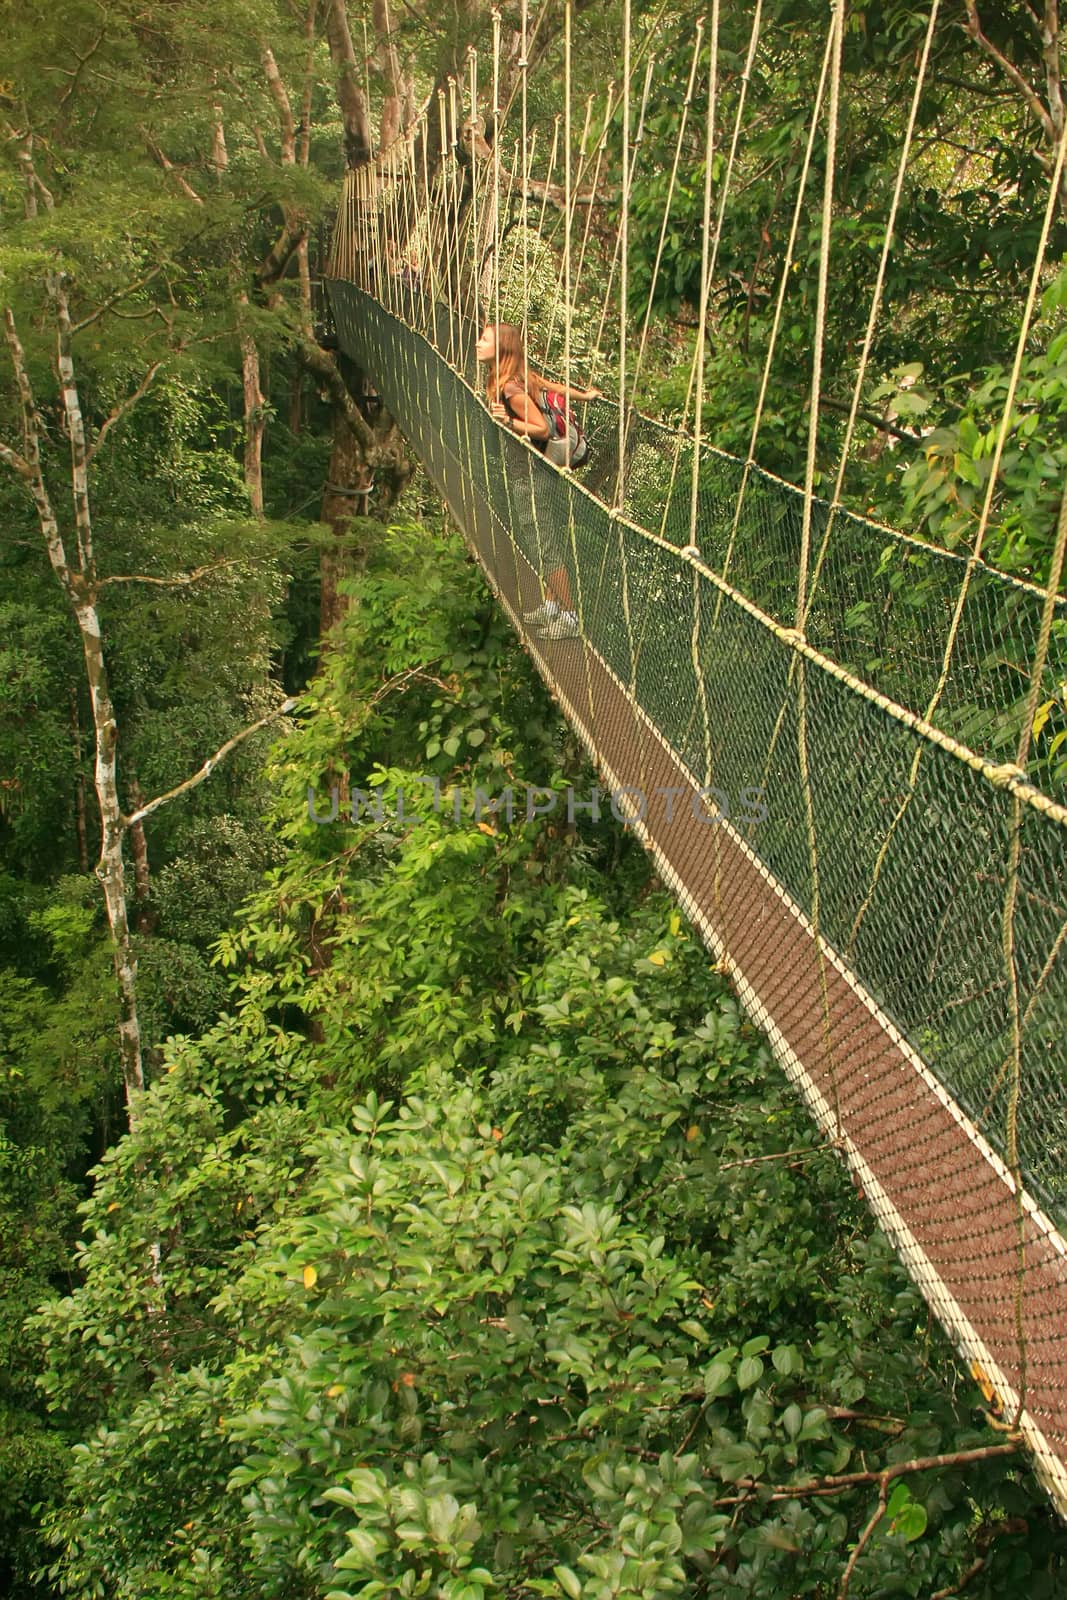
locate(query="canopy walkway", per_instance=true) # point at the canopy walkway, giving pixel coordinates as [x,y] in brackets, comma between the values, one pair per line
[887,893]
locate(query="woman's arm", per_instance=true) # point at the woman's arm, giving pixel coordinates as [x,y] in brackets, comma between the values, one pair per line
[521,414]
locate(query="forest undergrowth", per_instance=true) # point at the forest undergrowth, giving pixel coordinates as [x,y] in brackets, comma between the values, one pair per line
[479,1247]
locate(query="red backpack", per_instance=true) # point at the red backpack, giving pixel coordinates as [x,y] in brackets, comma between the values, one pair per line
[567,445]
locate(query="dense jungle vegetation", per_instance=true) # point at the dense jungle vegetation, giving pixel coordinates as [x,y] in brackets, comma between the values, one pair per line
[406,1207]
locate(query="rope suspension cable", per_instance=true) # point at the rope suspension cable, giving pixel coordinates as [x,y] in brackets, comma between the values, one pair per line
[524,68]
[602,145]
[838,28]
[671,184]
[472,60]
[566,220]
[456,253]
[783,285]
[568,18]
[496,164]
[464,287]
[508,272]
[705,269]
[1011,899]
[973,562]
[696,374]
[857,390]
[624,246]
[698,368]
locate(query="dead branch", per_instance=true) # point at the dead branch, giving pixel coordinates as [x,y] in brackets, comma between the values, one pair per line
[204,772]
[182,582]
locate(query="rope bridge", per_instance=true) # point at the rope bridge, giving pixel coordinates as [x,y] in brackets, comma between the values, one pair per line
[830,805]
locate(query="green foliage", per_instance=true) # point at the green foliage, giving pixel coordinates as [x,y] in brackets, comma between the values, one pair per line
[482,1250]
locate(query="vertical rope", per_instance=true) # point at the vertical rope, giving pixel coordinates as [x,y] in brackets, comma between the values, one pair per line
[1005,422]
[1011,965]
[668,203]
[475,232]
[783,285]
[568,17]
[624,245]
[496,164]
[803,758]
[524,68]
[705,261]
[820,309]
[876,305]
[973,559]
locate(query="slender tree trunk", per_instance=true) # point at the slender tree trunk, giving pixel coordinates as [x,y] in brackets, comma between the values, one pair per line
[80,828]
[254,419]
[344,497]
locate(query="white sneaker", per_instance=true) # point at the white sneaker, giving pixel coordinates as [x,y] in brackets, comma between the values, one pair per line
[544,612]
[563,626]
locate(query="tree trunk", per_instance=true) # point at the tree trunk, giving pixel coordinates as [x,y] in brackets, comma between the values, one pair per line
[344,497]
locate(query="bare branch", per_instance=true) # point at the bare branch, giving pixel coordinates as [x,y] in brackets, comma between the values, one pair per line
[31,440]
[121,410]
[209,766]
[169,168]
[77,71]
[175,583]
[974,28]
[837,1484]
[864,1539]
[280,95]
[113,299]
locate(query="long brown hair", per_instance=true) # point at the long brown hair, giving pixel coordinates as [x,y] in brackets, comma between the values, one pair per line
[509,364]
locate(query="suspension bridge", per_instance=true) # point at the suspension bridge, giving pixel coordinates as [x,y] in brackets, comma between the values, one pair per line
[893,912]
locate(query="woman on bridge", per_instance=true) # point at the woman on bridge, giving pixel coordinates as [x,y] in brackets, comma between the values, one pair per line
[514,391]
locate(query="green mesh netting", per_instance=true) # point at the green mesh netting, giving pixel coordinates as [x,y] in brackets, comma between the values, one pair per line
[912,903]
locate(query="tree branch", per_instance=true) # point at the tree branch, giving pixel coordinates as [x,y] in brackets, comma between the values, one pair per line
[1010,70]
[113,299]
[864,1539]
[174,583]
[34,477]
[280,95]
[204,772]
[324,366]
[848,1480]
[120,411]
[17,463]
[169,168]
[873,418]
